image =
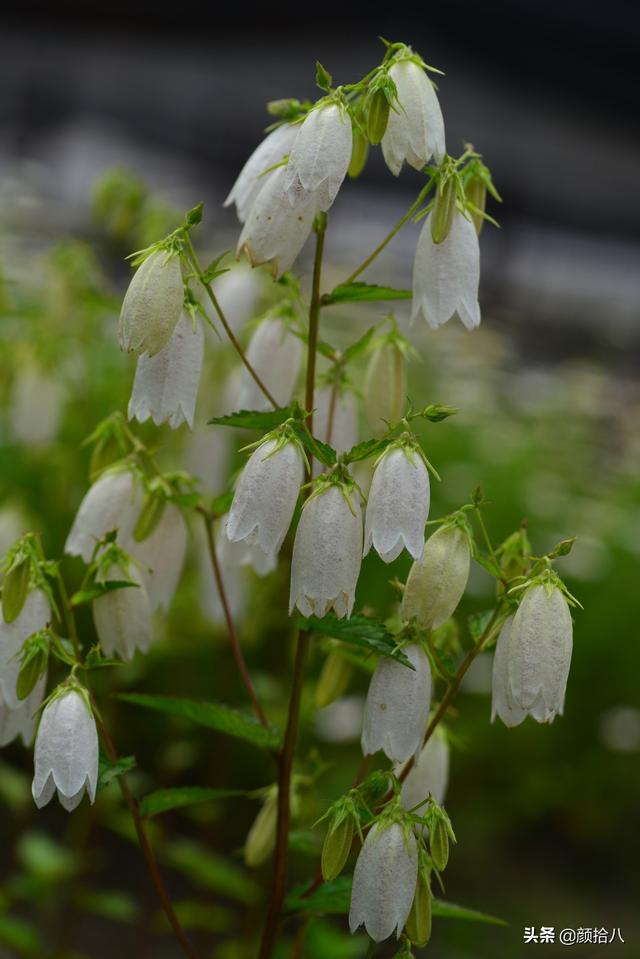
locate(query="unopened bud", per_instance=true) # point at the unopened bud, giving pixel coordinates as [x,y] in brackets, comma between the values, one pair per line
[385,390]
[359,154]
[418,927]
[476,193]
[261,838]
[150,516]
[437,581]
[33,667]
[439,845]
[334,679]
[336,847]
[15,590]
[106,451]
[443,211]
[377,117]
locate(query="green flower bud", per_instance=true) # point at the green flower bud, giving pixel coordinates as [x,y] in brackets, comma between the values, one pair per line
[476,192]
[377,117]
[385,388]
[336,847]
[261,838]
[359,154]
[439,845]
[443,211]
[15,590]
[334,679]
[106,451]
[437,581]
[150,516]
[33,667]
[418,927]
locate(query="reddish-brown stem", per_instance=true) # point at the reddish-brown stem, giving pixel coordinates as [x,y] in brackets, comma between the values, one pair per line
[228,618]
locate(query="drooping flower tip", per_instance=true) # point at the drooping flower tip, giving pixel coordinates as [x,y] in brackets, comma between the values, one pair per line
[397,706]
[415,127]
[398,505]
[66,752]
[446,275]
[113,502]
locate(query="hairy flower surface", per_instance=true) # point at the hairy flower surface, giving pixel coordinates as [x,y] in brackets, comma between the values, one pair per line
[438,579]
[122,617]
[152,304]
[320,156]
[327,553]
[112,503]
[66,752]
[385,388]
[34,616]
[398,505]
[266,495]
[161,557]
[165,387]
[446,275]
[415,128]
[278,224]
[384,881]
[397,706]
[429,775]
[532,658]
[274,353]
[258,168]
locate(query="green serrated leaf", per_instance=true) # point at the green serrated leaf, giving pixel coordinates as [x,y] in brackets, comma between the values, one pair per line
[254,419]
[367,449]
[359,347]
[162,800]
[108,772]
[212,715]
[370,634]
[322,451]
[364,292]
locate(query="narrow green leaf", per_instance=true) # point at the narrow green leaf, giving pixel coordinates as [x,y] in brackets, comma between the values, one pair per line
[359,347]
[213,715]
[368,448]
[364,292]
[370,634]
[99,589]
[322,451]
[323,77]
[162,800]
[108,771]
[254,419]
[449,910]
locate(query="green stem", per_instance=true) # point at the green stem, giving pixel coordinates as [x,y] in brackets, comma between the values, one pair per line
[285,758]
[396,229]
[191,253]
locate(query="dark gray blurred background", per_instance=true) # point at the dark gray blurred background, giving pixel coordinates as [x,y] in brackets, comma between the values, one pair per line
[548,91]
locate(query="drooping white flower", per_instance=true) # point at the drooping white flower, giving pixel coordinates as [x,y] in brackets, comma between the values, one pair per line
[266,495]
[36,406]
[384,881]
[34,616]
[397,707]
[152,304]
[429,775]
[66,752]
[385,389]
[446,275]
[320,155]
[398,504]
[438,579]
[122,617]
[113,502]
[415,128]
[274,353]
[165,387]
[161,557]
[243,554]
[278,224]
[532,658]
[327,553]
[22,721]
[237,292]
[257,169]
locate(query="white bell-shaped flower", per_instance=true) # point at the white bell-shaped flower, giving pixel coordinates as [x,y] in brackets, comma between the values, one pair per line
[161,557]
[430,774]
[122,617]
[533,658]
[66,751]
[22,721]
[112,503]
[398,504]
[34,616]
[238,291]
[165,387]
[397,706]
[274,353]
[415,128]
[384,881]
[152,304]
[327,553]
[273,149]
[438,579]
[320,155]
[446,275]
[266,495]
[243,554]
[385,388]
[278,224]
